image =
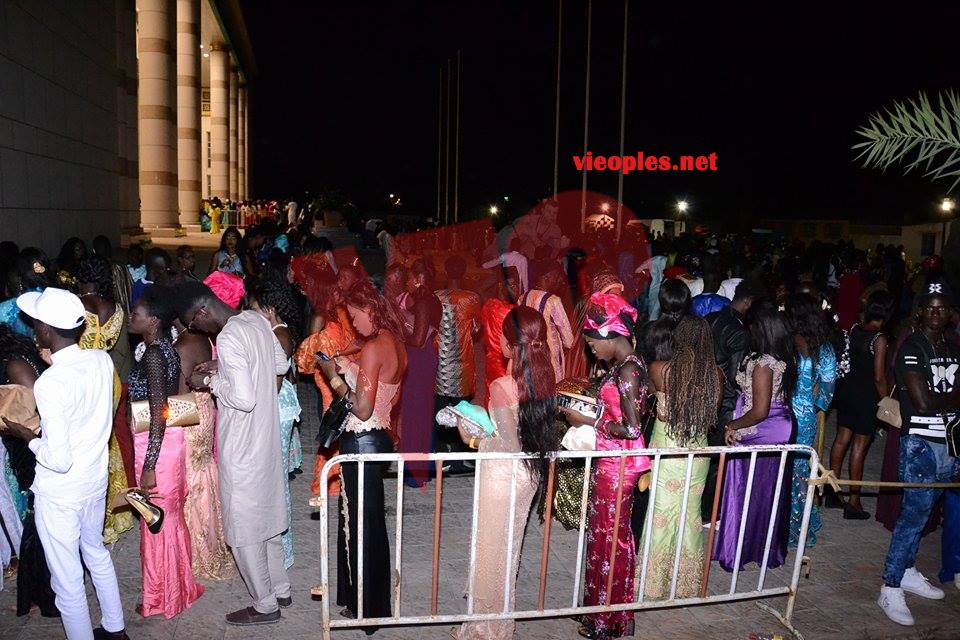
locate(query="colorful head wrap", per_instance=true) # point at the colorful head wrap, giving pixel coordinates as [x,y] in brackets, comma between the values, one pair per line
[228,287]
[609,316]
[606,281]
[282,243]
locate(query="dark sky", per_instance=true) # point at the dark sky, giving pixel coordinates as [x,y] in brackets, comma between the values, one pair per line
[347,97]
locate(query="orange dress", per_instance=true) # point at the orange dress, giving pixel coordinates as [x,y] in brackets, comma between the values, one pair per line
[336,336]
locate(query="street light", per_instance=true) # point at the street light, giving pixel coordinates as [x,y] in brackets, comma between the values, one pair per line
[605,207]
[682,206]
[947,206]
[494,209]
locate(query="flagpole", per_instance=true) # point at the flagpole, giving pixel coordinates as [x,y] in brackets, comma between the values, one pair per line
[586,121]
[623,117]
[439,140]
[556,117]
[456,154]
[446,190]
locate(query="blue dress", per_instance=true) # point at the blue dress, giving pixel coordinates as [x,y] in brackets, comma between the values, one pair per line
[289,413]
[805,407]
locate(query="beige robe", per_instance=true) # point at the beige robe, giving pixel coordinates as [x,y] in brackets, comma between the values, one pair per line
[248,430]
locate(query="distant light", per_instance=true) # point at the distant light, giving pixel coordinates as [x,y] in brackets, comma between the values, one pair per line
[506,198]
[494,209]
[206,55]
[605,207]
[392,196]
[201,45]
[682,206]
[947,205]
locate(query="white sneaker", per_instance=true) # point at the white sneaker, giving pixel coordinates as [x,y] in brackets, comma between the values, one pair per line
[892,602]
[914,582]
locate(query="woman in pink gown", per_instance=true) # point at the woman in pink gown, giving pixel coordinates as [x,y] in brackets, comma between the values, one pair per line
[169,586]
[623,391]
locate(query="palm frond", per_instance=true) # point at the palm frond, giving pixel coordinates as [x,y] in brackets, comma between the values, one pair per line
[916,134]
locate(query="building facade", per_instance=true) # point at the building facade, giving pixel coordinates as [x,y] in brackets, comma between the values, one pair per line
[103,128]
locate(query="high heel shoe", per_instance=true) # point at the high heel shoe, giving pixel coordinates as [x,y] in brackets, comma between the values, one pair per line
[151,513]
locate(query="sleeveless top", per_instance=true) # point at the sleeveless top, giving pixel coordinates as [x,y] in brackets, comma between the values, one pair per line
[380,419]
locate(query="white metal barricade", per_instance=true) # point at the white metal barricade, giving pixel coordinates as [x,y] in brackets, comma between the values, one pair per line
[575,609]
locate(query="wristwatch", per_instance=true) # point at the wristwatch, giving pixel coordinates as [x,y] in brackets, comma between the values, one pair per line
[206,380]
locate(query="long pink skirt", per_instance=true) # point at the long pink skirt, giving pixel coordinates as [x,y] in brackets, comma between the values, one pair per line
[168,583]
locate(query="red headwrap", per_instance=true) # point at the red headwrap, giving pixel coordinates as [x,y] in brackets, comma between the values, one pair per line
[608,315]
[228,287]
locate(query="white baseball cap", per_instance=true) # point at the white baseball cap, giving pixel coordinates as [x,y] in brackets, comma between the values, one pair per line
[56,307]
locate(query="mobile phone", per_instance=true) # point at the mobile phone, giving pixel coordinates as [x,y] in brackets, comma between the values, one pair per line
[321,356]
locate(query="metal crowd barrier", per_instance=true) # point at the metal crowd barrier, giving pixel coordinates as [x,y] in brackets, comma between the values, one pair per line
[640,603]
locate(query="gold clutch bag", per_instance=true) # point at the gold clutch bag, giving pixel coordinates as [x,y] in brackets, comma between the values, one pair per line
[181,412]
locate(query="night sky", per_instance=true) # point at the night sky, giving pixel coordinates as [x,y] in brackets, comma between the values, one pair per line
[347,97]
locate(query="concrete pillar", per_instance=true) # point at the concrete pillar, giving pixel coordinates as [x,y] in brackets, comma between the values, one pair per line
[128,187]
[247,143]
[188,110]
[234,93]
[242,142]
[157,121]
[219,119]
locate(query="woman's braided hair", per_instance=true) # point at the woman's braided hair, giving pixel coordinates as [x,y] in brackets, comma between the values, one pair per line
[97,270]
[694,383]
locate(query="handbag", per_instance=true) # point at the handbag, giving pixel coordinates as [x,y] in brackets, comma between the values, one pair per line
[888,410]
[331,425]
[17,404]
[181,412]
[952,429]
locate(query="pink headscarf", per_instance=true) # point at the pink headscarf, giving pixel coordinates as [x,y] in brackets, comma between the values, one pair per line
[611,321]
[228,287]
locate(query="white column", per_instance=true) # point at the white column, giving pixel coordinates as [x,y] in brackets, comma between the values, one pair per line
[234,92]
[188,110]
[219,119]
[157,123]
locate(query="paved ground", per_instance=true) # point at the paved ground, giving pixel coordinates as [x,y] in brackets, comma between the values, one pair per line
[837,601]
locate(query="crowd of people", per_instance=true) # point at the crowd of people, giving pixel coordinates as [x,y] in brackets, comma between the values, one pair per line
[682,342]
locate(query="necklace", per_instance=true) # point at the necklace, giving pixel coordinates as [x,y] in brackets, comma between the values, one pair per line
[88,293]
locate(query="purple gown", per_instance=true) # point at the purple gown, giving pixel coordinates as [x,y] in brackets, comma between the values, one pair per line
[775,429]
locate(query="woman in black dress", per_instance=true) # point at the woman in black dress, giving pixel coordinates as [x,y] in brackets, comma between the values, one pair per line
[21,364]
[858,395]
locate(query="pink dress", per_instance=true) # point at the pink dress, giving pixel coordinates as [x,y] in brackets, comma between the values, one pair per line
[169,586]
[623,392]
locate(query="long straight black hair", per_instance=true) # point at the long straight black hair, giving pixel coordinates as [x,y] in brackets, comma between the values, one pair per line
[770,334]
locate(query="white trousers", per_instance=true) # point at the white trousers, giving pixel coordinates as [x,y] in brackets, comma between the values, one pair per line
[261,566]
[67,531]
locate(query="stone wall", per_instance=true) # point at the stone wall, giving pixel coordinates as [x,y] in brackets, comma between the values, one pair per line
[66,158]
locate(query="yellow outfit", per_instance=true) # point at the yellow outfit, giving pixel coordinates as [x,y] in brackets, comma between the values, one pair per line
[105,336]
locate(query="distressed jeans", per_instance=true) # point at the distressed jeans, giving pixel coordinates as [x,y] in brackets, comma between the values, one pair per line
[920,461]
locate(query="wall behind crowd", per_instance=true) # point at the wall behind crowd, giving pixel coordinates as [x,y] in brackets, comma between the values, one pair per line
[68,129]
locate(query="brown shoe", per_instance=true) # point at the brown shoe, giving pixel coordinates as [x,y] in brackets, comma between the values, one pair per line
[250,616]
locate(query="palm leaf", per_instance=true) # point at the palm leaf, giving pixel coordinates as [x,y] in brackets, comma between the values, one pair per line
[915,134]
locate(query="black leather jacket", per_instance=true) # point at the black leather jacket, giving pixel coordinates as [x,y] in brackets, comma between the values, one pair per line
[731,341]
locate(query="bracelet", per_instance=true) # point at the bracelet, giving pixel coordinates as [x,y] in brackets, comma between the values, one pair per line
[473,443]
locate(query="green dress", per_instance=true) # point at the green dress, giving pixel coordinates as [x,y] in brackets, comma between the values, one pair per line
[666,520]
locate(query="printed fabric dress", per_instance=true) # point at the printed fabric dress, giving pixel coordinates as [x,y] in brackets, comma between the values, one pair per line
[210,557]
[496,479]
[668,508]
[775,429]
[166,557]
[815,386]
[105,337]
[289,414]
[604,531]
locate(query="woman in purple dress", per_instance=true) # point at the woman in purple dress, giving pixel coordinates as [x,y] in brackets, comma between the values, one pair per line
[767,378]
